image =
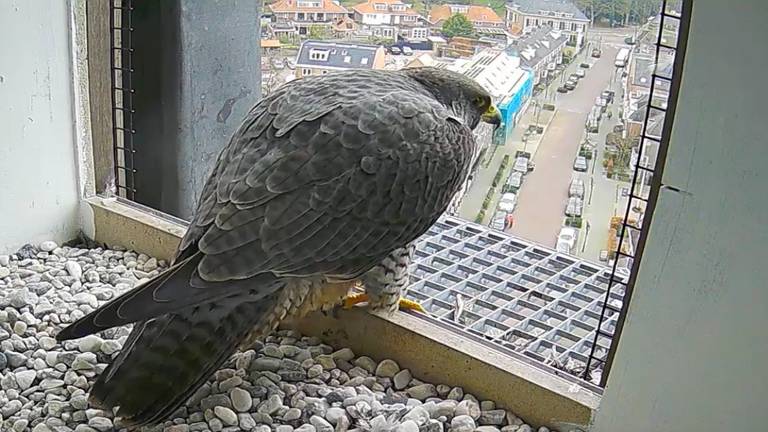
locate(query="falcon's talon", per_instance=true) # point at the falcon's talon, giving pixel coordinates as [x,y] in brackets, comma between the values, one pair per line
[406,304]
[351,300]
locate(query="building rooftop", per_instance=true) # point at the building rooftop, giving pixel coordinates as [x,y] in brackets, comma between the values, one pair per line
[554,8]
[655,123]
[325,6]
[388,7]
[644,68]
[535,46]
[472,12]
[340,55]
[494,69]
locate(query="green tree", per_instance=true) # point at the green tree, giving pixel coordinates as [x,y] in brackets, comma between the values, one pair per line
[458,25]
[319,32]
[619,12]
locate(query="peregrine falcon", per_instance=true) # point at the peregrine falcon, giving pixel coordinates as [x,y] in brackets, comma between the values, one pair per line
[326,184]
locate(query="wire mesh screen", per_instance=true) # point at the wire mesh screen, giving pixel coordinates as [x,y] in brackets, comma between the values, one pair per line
[670,27]
[121,67]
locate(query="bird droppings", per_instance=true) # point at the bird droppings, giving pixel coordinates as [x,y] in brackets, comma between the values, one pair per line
[286,383]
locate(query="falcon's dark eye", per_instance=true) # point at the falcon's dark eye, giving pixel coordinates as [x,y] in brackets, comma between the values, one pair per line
[480,101]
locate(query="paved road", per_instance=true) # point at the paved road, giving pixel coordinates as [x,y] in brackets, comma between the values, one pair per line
[544,194]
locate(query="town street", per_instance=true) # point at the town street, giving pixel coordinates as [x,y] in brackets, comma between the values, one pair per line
[543,197]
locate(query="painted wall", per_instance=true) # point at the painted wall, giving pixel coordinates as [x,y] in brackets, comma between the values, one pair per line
[694,350]
[514,105]
[38,175]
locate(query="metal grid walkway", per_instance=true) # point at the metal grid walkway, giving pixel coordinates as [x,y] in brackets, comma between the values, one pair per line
[516,294]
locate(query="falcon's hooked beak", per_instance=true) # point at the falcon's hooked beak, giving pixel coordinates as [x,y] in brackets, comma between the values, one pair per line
[492,116]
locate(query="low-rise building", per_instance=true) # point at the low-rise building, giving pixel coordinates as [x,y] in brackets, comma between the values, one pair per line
[508,83]
[563,15]
[483,19]
[464,47]
[344,28]
[637,91]
[540,51]
[302,15]
[322,57]
[390,19]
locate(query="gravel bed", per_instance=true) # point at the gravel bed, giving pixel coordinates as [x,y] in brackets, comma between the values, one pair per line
[285,383]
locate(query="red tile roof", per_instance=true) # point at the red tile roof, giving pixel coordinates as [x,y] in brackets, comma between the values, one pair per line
[327,6]
[474,14]
[368,7]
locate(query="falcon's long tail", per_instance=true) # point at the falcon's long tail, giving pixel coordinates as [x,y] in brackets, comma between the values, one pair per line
[166,359]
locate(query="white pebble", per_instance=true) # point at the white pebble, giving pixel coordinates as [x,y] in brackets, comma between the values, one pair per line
[48,246]
[74,269]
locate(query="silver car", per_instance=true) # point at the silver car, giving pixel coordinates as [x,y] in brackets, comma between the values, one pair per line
[574,207]
[498,220]
[580,164]
[576,189]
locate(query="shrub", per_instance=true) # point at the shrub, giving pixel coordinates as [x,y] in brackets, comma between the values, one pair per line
[480,216]
[612,139]
[487,200]
[573,221]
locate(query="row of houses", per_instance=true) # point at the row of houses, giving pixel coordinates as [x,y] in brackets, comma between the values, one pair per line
[395,19]
[508,72]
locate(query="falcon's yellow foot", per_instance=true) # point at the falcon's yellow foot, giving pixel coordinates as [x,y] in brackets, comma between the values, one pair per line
[351,300]
[406,304]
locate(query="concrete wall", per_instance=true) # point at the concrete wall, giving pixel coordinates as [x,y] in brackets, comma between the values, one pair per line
[38,174]
[197,74]
[694,350]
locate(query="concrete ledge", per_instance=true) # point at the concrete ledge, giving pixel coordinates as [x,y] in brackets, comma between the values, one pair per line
[130,225]
[433,353]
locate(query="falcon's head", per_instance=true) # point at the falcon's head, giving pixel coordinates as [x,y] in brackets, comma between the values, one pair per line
[463,95]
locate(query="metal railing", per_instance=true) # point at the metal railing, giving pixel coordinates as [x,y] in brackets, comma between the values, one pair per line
[121,70]
[670,44]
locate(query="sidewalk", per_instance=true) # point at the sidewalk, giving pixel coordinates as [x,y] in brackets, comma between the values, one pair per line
[473,199]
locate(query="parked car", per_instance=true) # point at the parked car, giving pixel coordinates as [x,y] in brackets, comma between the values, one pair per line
[498,220]
[407,51]
[608,95]
[585,65]
[278,63]
[596,53]
[508,202]
[581,73]
[576,189]
[619,128]
[580,164]
[521,164]
[603,256]
[291,63]
[566,240]
[574,77]
[630,40]
[574,207]
[597,112]
[562,89]
[570,85]
[395,50]
[514,181]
